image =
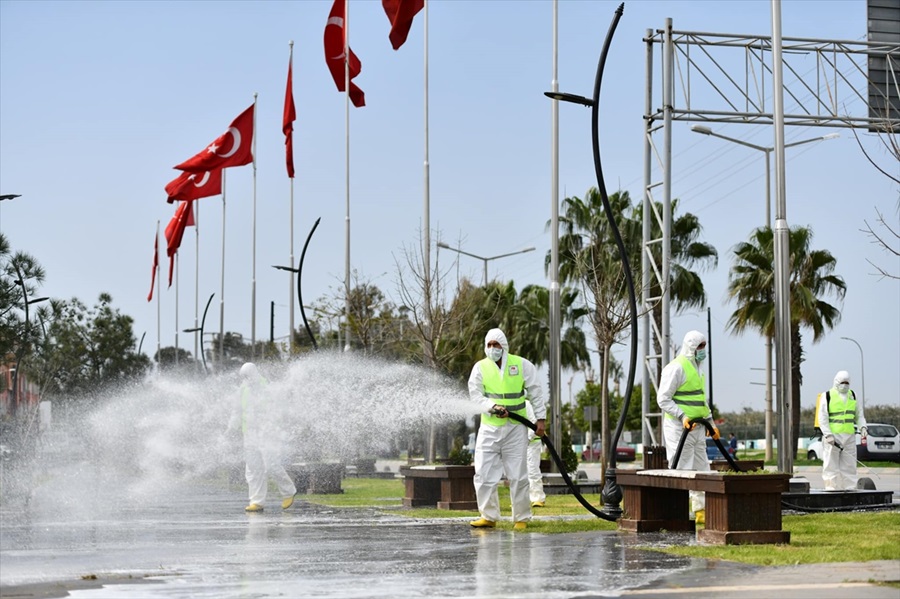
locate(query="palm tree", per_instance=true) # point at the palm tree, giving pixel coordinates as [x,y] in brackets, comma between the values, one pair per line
[752,285]
[528,327]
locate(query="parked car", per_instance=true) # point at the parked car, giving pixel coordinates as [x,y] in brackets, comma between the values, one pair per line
[881,443]
[624,453]
[712,450]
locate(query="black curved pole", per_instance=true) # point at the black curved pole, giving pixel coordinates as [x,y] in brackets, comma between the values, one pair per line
[202,323]
[300,285]
[612,493]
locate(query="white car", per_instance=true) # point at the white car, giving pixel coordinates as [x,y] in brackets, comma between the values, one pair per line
[881,443]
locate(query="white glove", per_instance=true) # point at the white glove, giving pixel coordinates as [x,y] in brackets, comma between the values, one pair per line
[829,439]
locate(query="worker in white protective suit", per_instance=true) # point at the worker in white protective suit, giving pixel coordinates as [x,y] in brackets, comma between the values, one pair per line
[840,412]
[682,398]
[533,457]
[262,446]
[499,384]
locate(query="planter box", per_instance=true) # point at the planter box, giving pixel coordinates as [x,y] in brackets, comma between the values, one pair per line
[317,478]
[444,487]
[740,509]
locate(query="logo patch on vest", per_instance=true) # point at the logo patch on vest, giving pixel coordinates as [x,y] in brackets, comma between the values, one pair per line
[513,370]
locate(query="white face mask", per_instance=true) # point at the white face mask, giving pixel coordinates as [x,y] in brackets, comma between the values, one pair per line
[843,387]
[494,353]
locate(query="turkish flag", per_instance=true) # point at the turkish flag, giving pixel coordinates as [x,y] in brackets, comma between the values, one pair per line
[287,122]
[400,13]
[193,186]
[335,40]
[184,217]
[232,148]
[155,265]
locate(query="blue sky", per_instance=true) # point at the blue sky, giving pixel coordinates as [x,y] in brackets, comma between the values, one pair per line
[98,100]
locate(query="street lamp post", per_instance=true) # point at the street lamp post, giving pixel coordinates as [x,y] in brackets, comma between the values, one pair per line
[441,244]
[862,368]
[703,130]
[200,330]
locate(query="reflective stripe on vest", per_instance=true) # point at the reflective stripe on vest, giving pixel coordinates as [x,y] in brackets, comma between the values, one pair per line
[842,413]
[690,396]
[508,391]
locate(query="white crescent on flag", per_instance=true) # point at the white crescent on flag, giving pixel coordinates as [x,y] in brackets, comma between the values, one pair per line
[236,134]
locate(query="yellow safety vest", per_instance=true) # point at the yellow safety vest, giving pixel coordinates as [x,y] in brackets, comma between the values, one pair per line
[507,391]
[690,396]
[841,413]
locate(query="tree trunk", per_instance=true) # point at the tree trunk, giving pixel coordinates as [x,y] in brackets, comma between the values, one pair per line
[796,381]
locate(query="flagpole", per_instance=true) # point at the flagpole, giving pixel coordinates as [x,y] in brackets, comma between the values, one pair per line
[158,287]
[253,298]
[196,273]
[291,275]
[427,199]
[347,174]
[222,290]
[177,274]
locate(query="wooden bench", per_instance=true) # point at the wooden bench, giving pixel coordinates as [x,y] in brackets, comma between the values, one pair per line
[740,508]
[444,487]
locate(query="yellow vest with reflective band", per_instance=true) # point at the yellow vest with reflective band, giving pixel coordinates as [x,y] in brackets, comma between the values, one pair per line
[690,396]
[841,413]
[508,391]
[246,412]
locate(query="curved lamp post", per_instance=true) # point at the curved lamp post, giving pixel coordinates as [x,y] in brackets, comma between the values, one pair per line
[441,244]
[200,330]
[299,271]
[612,493]
[862,368]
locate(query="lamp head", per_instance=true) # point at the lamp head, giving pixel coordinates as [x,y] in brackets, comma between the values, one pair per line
[701,129]
[563,97]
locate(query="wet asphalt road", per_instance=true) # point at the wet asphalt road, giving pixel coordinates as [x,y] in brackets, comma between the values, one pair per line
[196,541]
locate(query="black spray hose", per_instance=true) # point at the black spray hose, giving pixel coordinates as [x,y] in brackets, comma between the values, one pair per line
[718,443]
[562,470]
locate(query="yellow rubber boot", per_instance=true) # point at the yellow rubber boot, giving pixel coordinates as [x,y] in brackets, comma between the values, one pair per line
[520,526]
[253,507]
[700,517]
[287,502]
[537,504]
[482,523]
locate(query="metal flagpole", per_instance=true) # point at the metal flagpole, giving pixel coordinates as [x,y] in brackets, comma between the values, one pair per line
[177,273]
[291,275]
[222,288]
[347,174]
[196,275]
[426,246]
[253,283]
[158,288]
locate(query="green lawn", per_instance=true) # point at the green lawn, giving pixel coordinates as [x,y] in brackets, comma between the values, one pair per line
[815,538]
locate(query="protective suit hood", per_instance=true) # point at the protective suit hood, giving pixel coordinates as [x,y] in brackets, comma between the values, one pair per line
[692,339]
[841,377]
[249,372]
[498,336]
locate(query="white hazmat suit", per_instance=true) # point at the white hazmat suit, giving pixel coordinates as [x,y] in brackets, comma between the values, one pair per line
[673,377]
[535,478]
[262,447]
[839,449]
[500,449]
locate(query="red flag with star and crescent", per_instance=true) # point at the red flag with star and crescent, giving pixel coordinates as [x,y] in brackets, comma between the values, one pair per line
[401,13]
[335,40]
[193,186]
[232,148]
[184,217]
[155,264]
[287,121]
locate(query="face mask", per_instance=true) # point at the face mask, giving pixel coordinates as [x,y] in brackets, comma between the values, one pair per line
[494,353]
[700,355]
[843,387]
